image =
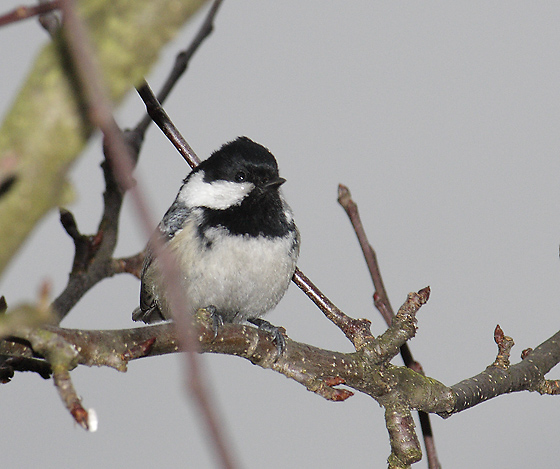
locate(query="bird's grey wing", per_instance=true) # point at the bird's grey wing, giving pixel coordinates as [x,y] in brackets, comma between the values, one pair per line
[150,309]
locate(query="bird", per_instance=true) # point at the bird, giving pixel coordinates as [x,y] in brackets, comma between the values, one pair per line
[234,239]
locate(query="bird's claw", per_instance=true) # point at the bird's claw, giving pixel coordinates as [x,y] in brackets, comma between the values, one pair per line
[277,336]
[217,320]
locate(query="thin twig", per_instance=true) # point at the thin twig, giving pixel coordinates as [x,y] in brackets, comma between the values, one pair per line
[162,120]
[23,12]
[183,58]
[382,301]
[356,330]
[70,397]
[118,153]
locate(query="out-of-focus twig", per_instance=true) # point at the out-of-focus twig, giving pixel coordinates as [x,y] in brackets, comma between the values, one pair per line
[121,161]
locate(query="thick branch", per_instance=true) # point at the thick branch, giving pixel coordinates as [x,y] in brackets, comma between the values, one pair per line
[317,369]
[367,370]
[398,389]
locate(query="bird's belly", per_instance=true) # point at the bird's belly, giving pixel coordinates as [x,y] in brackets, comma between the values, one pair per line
[242,276]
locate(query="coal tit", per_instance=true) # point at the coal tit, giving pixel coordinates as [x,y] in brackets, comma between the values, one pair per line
[233,236]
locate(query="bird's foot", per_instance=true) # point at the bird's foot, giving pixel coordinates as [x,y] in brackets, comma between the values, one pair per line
[277,336]
[212,318]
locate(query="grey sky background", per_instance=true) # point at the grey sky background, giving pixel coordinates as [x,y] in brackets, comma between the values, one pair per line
[442,118]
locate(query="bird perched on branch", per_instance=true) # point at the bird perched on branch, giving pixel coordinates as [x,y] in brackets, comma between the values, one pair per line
[233,237]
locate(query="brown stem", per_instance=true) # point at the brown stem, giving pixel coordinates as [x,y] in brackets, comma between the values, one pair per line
[356,330]
[162,120]
[382,301]
[23,12]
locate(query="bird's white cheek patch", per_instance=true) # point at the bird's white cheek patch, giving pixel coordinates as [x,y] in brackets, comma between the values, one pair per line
[217,195]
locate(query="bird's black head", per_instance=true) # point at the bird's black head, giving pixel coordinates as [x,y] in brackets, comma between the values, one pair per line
[242,161]
[237,187]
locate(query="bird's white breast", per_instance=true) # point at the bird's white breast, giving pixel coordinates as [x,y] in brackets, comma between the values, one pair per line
[242,276]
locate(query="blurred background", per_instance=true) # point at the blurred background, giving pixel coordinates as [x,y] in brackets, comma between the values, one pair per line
[442,118]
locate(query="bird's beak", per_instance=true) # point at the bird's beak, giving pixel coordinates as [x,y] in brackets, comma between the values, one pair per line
[274,183]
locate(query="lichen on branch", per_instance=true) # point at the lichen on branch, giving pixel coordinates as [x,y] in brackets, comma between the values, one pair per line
[45,129]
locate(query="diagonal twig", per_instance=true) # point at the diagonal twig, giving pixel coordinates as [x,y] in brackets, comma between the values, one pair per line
[356,330]
[162,120]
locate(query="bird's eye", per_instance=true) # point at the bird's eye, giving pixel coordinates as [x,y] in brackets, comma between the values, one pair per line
[240,176]
[265,179]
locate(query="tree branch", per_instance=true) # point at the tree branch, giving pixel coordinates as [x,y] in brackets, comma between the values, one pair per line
[527,375]
[23,12]
[383,305]
[315,368]
[368,370]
